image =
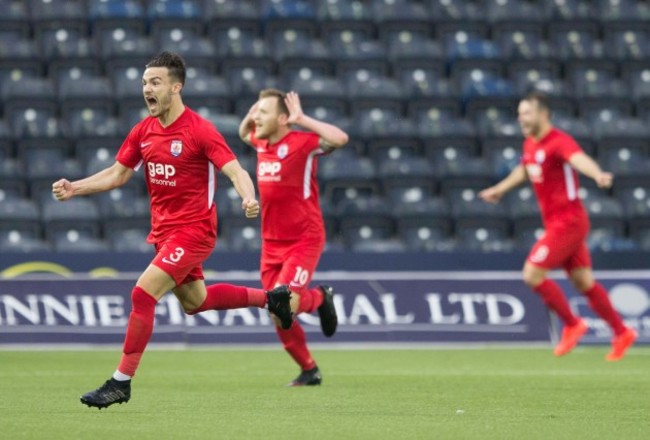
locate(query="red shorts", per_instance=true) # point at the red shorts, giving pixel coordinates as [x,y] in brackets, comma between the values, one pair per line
[563,245]
[289,262]
[181,254]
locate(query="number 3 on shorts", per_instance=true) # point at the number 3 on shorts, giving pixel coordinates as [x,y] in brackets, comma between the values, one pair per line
[175,256]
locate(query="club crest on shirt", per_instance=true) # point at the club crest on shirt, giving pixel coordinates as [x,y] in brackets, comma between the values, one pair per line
[176,148]
[283,150]
[540,156]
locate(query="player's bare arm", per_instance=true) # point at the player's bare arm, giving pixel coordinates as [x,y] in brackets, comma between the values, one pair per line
[105,180]
[494,193]
[243,184]
[590,168]
[331,136]
[246,125]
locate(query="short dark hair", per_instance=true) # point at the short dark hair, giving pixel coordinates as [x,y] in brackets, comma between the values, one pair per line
[280,95]
[173,62]
[540,98]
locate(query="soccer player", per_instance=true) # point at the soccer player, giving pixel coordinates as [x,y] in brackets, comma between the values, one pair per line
[180,153]
[293,232]
[550,160]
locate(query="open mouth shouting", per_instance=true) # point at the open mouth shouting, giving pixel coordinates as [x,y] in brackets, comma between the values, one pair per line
[152,103]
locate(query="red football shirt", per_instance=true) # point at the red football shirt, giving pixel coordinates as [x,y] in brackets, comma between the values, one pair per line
[554,181]
[179,162]
[286,178]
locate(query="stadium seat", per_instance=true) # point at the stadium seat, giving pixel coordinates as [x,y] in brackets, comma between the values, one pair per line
[502,157]
[212,92]
[405,174]
[239,234]
[382,149]
[635,201]
[405,45]
[129,240]
[247,77]
[20,215]
[363,219]
[627,41]
[422,223]
[524,44]
[509,11]
[346,176]
[568,10]
[575,39]
[78,240]
[77,214]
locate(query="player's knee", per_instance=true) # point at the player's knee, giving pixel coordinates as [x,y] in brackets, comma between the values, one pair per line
[532,278]
[582,284]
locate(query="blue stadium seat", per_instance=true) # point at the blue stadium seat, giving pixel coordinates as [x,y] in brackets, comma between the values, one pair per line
[622,10]
[123,203]
[78,214]
[238,39]
[570,10]
[129,239]
[216,11]
[395,149]
[347,176]
[381,122]
[523,40]
[625,158]
[575,40]
[248,76]
[406,45]
[363,219]
[239,234]
[490,235]
[450,148]
[423,225]
[466,10]
[111,34]
[198,52]
[35,122]
[213,92]
[36,92]
[78,240]
[15,240]
[523,207]
[20,215]
[421,80]
[288,9]
[635,201]
[401,176]
[490,116]
[12,180]
[509,11]
[627,42]
[502,157]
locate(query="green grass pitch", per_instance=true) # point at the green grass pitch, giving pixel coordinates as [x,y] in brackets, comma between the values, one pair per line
[366,394]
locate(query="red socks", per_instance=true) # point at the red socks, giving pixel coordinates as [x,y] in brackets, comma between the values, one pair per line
[555,300]
[138,331]
[229,296]
[310,300]
[600,303]
[295,343]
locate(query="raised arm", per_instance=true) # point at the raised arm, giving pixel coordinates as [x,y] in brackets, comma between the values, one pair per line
[587,166]
[105,180]
[494,193]
[331,136]
[246,125]
[243,184]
